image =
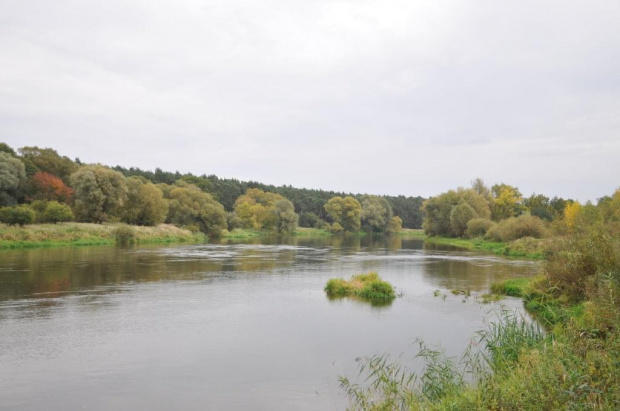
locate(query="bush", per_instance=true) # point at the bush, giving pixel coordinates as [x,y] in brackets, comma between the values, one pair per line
[124,234]
[368,286]
[517,227]
[17,215]
[478,227]
[57,213]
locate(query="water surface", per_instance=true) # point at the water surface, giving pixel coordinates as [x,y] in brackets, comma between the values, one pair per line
[224,326]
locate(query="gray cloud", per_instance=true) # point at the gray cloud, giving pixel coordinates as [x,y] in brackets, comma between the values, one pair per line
[390,97]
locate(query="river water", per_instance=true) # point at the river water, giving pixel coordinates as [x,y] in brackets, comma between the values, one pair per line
[225,325]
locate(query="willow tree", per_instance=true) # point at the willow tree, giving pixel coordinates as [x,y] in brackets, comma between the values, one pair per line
[376,213]
[145,204]
[12,179]
[190,206]
[263,210]
[100,193]
[346,212]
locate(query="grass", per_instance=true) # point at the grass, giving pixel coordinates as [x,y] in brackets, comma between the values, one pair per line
[411,232]
[365,286]
[311,232]
[83,234]
[511,365]
[530,249]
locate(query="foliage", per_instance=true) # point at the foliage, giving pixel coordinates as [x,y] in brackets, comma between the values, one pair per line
[478,227]
[507,202]
[47,160]
[50,188]
[308,219]
[376,213]
[12,178]
[517,227]
[285,217]
[191,206]
[124,234]
[459,218]
[145,204]
[99,194]
[346,212]
[226,191]
[367,286]
[17,215]
[264,210]
[571,211]
[540,206]
[57,213]
[5,148]
[439,218]
[395,225]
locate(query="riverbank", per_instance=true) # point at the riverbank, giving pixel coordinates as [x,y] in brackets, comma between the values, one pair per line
[247,233]
[84,234]
[573,363]
[529,248]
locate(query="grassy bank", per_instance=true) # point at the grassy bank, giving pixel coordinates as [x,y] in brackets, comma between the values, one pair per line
[574,364]
[82,234]
[529,248]
[246,233]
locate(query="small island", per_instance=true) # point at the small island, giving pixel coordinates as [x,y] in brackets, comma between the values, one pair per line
[365,286]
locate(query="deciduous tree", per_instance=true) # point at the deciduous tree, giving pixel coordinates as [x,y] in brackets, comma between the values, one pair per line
[99,193]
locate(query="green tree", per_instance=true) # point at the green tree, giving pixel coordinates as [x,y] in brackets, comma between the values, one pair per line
[47,160]
[285,217]
[376,213]
[346,212]
[12,179]
[57,213]
[5,148]
[438,210]
[190,206]
[17,215]
[395,225]
[539,206]
[507,202]
[99,193]
[265,210]
[145,203]
[459,217]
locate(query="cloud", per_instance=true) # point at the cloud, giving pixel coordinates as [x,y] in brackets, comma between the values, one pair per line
[366,96]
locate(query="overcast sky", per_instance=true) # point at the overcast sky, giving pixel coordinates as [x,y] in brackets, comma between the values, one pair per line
[383,97]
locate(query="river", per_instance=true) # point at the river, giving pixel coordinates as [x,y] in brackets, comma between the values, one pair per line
[225,325]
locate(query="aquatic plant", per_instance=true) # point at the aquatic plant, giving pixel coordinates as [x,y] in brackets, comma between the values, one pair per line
[366,286]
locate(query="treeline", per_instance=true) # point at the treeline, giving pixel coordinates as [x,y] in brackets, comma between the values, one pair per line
[39,185]
[308,203]
[497,213]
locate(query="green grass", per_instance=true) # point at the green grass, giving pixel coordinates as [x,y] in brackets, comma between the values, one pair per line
[514,249]
[84,234]
[241,233]
[365,286]
[411,232]
[311,232]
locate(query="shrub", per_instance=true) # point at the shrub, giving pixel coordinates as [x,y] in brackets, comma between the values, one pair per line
[57,213]
[17,215]
[368,286]
[517,227]
[478,227]
[124,234]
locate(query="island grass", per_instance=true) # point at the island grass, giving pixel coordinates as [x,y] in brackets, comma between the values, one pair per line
[366,286]
[85,234]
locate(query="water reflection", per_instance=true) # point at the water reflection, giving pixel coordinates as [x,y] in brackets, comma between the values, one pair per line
[231,324]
